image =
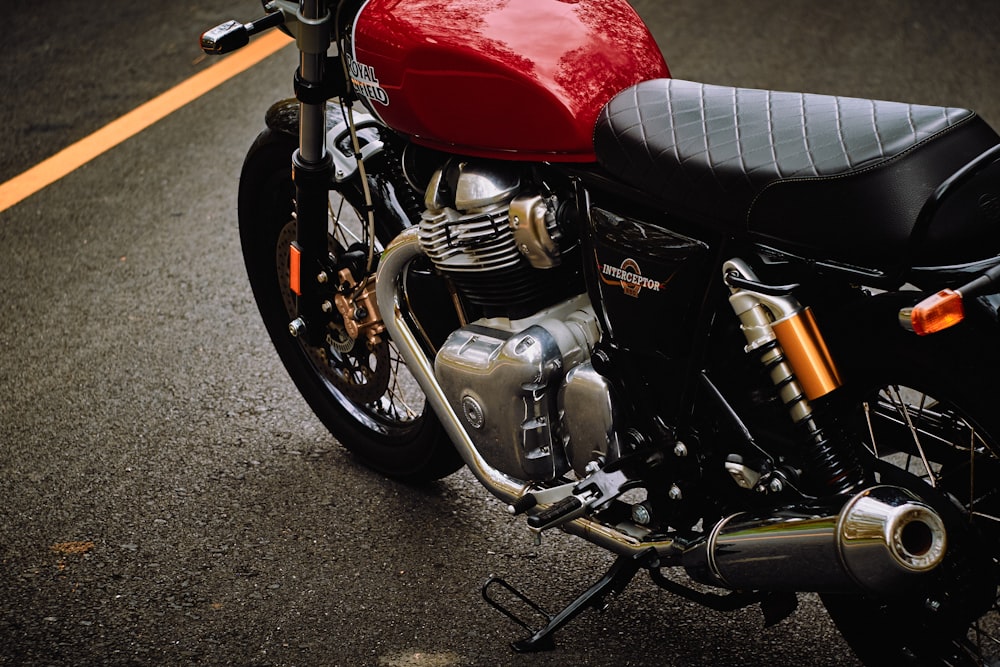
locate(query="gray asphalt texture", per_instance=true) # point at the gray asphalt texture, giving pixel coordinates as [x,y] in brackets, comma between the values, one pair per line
[166,498]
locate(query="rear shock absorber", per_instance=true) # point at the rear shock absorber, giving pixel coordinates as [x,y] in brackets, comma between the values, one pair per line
[785,337]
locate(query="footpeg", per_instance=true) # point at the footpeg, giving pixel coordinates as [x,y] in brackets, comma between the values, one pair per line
[567,509]
[593,493]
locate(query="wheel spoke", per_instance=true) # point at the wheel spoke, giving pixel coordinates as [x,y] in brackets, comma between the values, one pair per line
[904,410]
[395,389]
[866,406]
[981,635]
[972,470]
[342,231]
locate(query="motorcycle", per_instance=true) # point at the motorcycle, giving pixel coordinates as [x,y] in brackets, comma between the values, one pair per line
[744,336]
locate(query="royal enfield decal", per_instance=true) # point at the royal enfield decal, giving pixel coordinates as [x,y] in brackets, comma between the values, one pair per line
[629,277]
[363,86]
[366,83]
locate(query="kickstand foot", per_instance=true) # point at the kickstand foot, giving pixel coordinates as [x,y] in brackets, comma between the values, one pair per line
[614,581]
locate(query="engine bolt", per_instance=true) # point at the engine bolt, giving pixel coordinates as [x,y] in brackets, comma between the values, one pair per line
[641,515]
[775,485]
[327,307]
[675,492]
[322,278]
[680,450]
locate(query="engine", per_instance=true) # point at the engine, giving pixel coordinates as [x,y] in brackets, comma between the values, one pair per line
[519,375]
[499,240]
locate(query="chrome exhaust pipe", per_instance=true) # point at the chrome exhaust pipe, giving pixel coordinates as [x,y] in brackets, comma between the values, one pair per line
[879,541]
[389,294]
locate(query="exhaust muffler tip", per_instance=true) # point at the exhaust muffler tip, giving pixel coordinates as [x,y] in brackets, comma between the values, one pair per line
[885,535]
[882,540]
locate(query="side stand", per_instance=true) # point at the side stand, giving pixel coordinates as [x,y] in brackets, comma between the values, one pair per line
[614,581]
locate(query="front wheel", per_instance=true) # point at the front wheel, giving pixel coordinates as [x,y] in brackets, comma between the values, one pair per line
[363,395]
[927,414]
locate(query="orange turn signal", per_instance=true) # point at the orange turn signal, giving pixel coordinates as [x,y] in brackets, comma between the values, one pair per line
[937,312]
[295,268]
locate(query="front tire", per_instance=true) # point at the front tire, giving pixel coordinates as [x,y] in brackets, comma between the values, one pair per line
[364,397]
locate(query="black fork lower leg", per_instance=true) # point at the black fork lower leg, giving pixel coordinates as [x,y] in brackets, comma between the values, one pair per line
[311,193]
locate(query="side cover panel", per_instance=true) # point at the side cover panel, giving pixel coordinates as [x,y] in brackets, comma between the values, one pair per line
[509,79]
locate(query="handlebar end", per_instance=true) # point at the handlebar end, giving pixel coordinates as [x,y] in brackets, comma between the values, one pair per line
[225,38]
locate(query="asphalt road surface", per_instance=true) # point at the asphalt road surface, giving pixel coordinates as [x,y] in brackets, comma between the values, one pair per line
[166,498]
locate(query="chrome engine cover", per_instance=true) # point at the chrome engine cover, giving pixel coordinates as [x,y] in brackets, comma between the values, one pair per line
[502,379]
[587,412]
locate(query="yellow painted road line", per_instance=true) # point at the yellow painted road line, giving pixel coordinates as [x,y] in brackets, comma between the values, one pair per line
[135,121]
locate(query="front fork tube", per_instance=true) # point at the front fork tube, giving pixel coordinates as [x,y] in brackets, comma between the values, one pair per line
[312,172]
[785,337]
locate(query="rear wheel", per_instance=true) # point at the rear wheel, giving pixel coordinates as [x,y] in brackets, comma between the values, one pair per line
[364,395]
[927,413]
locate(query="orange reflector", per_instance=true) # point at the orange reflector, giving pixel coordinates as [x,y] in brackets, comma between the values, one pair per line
[295,268]
[937,312]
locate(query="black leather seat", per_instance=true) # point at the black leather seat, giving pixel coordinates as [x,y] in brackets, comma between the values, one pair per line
[837,176]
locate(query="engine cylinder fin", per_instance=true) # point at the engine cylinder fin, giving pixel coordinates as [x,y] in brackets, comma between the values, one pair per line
[512,293]
[478,249]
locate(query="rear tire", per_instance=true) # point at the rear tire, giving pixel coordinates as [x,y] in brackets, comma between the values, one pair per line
[365,398]
[927,413]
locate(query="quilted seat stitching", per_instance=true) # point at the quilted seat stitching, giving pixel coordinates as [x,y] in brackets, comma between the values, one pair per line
[770,133]
[863,170]
[878,134]
[806,146]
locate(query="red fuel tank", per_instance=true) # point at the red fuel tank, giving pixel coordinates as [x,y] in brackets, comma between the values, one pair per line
[508,79]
